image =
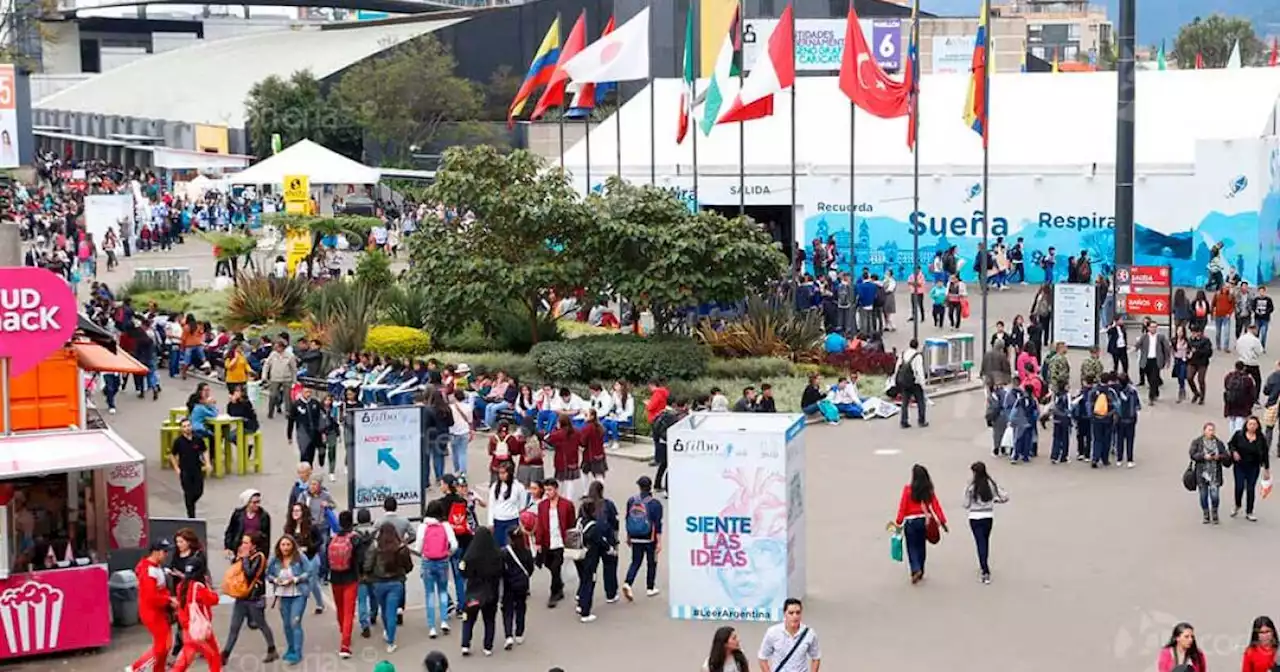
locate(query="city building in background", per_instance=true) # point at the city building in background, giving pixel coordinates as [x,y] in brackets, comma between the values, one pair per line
[1068,30]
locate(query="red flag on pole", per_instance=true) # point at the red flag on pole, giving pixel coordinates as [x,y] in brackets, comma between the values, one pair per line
[1275,54]
[863,81]
[553,95]
[1199,61]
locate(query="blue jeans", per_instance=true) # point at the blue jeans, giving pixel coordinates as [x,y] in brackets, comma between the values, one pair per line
[642,552]
[153,380]
[1209,495]
[1263,327]
[110,388]
[1101,442]
[477,412]
[435,579]
[458,446]
[192,356]
[611,432]
[491,411]
[291,612]
[390,597]
[365,606]
[175,360]
[320,564]
[459,581]
[811,409]
[981,528]
[1124,441]
[1223,336]
[1180,373]
[437,455]
[917,547]
[546,421]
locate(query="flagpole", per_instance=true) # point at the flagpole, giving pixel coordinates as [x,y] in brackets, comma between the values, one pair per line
[794,84]
[853,209]
[586,123]
[617,124]
[742,129]
[915,159]
[986,155]
[653,115]
[560,127]
[697,70]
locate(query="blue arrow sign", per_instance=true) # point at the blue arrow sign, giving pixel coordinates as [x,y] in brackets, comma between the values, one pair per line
[385,457]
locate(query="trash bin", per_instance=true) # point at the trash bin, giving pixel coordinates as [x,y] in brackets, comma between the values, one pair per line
[124,598]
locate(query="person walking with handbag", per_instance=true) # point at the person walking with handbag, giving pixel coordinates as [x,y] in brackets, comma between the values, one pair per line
[980,499]
[1208,457]
[790,646]
[244,581]
[919,516]
[517,570]
[1249,457]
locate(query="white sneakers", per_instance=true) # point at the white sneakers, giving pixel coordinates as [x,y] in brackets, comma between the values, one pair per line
[519,640]
[588,619]
[466,651]
[444,627]
[508,644]
[391,648]
[652,592]
[433,634]
[626,592]
[344,654]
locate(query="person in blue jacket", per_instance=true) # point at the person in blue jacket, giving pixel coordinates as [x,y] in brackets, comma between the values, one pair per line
[1081,415]
[1130,402]
[1060,411]
[1102,420]
[865,291]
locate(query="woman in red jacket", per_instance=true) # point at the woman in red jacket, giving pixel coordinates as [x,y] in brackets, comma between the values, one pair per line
[564,441]
[154,605]
[917,506]
[591,437]
[196,619]
[1261,654]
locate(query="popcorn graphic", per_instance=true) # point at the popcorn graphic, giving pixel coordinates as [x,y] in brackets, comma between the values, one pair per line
[31,616]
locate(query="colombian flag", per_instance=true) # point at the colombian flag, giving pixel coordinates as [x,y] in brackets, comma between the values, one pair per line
[975,106]
[540,71]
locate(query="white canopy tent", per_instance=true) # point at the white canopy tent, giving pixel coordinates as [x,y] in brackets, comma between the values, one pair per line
[319,164]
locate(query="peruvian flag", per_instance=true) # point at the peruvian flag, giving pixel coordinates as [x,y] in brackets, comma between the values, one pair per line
[864,82]
[773,72]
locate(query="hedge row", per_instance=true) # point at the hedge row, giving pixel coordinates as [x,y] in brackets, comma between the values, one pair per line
[620,357]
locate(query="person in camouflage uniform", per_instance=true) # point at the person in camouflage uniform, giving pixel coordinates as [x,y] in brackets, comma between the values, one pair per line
[1091,370]
[1058,370]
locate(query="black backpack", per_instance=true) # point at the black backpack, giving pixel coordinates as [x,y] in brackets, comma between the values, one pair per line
[1235,392]
[905,377]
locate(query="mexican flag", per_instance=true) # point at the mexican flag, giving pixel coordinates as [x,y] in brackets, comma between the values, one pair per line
[686,96]
[728,66]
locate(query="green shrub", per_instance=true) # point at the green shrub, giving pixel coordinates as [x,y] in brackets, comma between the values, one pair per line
[393,341]
[756,368]
[620,357]
[471,339]
[511,330]
[373,270]
[259,299]
[405,306]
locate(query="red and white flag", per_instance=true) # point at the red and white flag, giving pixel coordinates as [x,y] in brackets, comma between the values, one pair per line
[773,72]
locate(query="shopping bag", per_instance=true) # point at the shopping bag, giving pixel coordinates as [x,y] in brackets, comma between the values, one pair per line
[895,547]
[1006,440]
[964,308]
[1266,488]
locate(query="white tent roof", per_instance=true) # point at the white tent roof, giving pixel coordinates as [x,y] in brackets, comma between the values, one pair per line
[320,165]
[1041,122]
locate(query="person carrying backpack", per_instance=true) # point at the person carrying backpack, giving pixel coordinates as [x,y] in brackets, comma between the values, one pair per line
[460,515]
[908,378]
[438,545]
[1102,418]
[1130,402]
[344,577]
[1238,394]
[1081,416]
[644,536]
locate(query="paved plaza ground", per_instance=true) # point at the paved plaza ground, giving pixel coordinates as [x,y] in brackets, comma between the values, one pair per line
[1091,567]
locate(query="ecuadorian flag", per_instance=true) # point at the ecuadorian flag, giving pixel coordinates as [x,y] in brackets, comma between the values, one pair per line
[540,71]
[975,106]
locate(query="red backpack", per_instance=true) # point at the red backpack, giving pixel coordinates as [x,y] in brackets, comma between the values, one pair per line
[458,518]
[341,550]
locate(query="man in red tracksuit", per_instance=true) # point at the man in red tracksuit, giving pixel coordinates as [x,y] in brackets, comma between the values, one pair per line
[154,605]
[197,628]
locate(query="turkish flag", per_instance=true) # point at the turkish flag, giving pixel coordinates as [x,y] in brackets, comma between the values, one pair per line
[864,82]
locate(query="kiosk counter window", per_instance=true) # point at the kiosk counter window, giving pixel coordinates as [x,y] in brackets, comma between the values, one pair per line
[67,499]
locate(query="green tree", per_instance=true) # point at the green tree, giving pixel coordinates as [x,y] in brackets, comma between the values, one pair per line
[501,90]
[26,25]
[410,98]
[1213,38]
[298,109]
[648,247]
[516,242]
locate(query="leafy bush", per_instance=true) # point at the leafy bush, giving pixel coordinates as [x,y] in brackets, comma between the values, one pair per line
[350,311]
[398,342]
[511,330]
[405,306]
[863,361]
[471,339]
[770,327]
[519,366]
[205,304]
[620,357]
[755,368]
[576,329]
[373,270]
[259,299]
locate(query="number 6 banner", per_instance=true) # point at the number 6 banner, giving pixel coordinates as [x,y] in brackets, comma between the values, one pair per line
[8,118]
[820,42]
